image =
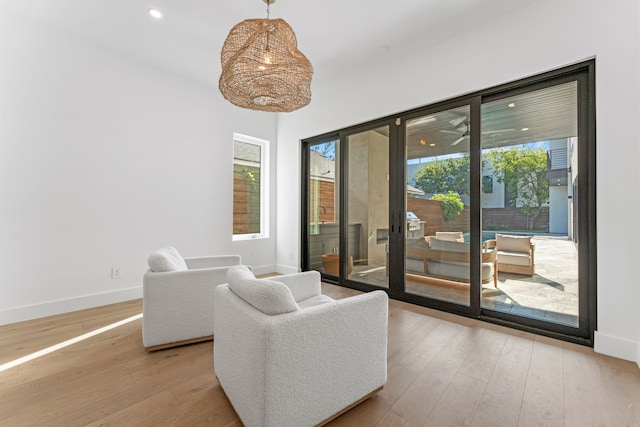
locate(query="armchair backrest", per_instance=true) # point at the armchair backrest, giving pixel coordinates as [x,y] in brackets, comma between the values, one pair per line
[166,259]
[509,243]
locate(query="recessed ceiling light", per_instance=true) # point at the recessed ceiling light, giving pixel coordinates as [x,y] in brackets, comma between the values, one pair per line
[155,13]
[512,105]
[524,129]
[432,145]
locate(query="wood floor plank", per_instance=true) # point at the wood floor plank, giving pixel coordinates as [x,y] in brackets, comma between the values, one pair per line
[621,379]
[140,413]
[442,370]
[543,398]
[432,342]
[458,404]
[392,420]
[420,399]
[584,397]
[501,400]
[481,363]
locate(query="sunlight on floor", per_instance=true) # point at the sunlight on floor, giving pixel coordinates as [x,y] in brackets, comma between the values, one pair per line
[66,343]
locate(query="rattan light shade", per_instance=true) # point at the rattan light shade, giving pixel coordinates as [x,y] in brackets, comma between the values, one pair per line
[262,68]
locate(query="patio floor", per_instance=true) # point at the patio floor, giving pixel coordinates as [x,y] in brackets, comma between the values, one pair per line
[551,294]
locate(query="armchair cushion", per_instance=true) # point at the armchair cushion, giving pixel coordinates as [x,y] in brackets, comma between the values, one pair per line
[510,243]
[514,258]
[166,259]
[268,296]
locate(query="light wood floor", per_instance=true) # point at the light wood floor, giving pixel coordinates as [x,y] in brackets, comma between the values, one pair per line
[444,370]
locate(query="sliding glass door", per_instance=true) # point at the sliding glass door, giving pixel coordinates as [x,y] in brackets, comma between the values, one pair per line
[437,257]
[367,206]
[530,173]
[346,225]
[483,205]
[322,207]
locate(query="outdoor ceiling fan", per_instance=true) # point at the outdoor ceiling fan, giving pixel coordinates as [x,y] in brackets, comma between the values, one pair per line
[459,123]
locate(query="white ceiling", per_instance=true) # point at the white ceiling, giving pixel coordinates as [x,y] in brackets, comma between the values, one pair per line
[188,39]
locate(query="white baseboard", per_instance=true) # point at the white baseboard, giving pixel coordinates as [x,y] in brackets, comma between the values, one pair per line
[266,269]
[285,269]
[51,308]
[616,347]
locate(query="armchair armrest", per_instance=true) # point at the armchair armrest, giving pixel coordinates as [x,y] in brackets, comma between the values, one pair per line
[489,244]
[212,261]
[302,285]
[177,305]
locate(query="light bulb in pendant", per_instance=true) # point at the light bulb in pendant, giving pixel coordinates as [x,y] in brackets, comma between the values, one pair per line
[266,59]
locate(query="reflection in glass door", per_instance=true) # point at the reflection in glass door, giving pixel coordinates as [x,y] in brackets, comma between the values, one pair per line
[437,206]
[483,205]
[368,207]
[529,173]
[323,213]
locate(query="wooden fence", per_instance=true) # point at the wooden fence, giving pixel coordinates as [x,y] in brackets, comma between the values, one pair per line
[246,200]
[510,218]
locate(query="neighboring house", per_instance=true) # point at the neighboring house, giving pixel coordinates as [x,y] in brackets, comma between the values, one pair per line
[559,174]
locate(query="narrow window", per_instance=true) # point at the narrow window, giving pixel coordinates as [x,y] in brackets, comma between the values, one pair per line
[250,187]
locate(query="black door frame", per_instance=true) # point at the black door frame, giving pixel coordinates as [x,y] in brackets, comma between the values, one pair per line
[584,74]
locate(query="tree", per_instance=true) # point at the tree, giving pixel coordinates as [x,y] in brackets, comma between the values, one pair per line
[327,149]
[524,173]
[443,176]
[451,205]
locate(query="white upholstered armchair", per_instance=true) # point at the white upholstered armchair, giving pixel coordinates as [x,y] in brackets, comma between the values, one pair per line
[285,355]
[178,297]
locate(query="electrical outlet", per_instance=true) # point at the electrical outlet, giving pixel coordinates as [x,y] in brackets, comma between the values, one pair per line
[116,272]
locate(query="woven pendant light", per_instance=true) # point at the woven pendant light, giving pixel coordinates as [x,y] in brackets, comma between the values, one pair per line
[262,68]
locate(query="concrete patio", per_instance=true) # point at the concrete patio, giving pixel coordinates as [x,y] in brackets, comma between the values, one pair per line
[551,294]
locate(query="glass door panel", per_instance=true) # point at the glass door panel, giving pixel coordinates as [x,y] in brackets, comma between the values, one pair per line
[323,213]
[529,178]
[437,205]
[368,207]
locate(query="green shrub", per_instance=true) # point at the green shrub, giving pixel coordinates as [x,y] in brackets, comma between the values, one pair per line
[451,204]
[492,226]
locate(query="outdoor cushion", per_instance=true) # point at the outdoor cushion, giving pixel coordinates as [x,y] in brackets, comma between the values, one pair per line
[456,236]
[268,296]
[514,258]
[448,245]
[166,259]
[510,243]
[459,270]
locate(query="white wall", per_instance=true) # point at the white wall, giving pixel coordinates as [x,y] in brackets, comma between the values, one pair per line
[103,160]
[543,36]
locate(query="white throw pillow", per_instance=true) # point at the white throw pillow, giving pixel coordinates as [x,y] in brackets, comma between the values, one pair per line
[510,243]
[268,296]
[166,259]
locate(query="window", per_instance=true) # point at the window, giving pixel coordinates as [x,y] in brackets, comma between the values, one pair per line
[520,159]
[250,188]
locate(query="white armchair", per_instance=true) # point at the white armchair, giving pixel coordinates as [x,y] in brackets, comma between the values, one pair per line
[178,297]
[285,355]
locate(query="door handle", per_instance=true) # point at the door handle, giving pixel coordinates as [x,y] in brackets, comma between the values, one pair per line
[393,220]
